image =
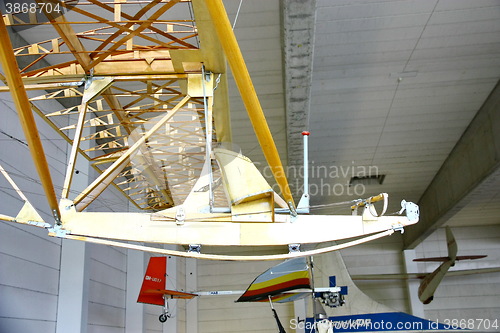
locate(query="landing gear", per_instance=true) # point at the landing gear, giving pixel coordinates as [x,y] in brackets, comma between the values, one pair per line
[163,317]
[166,313]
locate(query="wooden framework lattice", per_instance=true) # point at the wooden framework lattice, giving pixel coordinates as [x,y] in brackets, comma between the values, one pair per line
[147,49]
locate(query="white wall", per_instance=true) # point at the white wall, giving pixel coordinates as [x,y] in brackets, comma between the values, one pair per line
[180,284]
[29,259]
[107,289]
[29,275]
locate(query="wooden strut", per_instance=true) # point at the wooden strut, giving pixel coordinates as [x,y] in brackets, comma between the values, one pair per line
[86,61]
[23,106]
[100,184]
[196,255]
[248,94]
[74,150]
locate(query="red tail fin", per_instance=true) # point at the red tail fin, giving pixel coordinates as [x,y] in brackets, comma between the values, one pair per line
[154,282]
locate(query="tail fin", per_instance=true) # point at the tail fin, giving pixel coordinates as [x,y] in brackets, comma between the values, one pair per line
[443,259]
[452,245]
[452,251]
[154,280]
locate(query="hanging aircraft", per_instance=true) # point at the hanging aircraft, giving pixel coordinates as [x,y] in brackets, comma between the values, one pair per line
[292,280]
[139,90]
[285,282]
[431,281]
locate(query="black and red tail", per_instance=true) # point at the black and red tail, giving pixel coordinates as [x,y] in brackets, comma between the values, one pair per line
[154,282]
[153,286]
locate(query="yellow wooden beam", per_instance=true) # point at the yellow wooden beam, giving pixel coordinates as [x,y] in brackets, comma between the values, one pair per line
[23,106]
[152,170]
[46,81]
[101,183]
[225,257]
[112,68]
[67,33]
[221,229]
[68,140]
[94,90]
[82,110]
[248,94]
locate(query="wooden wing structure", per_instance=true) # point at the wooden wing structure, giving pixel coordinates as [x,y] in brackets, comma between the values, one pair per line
[139,89]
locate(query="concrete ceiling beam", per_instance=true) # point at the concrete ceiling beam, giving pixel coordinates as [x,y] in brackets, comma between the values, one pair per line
[473,163]
[298,20]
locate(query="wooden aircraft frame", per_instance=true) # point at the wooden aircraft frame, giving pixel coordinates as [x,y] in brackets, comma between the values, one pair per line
[143,97]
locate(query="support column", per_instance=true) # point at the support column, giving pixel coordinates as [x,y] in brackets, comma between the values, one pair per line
[171,324]
[192,306]
[72,307]
[134,312]
[416,307]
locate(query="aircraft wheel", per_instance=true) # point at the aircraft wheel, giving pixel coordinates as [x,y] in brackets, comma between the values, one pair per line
[163,318]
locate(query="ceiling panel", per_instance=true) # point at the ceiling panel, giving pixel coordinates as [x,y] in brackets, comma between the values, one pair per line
[396,83]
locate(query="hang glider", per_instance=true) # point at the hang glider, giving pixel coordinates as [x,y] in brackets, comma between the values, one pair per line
[138,89]
[431,281]
[153,287]
[285,282]
[288,281]
[289,275]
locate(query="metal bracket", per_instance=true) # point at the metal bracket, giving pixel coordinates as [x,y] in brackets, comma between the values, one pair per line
[412,210]
[196,248]
[303,206]
[293,248]
[293,212]
[332,299]
[398,227]
[180,216]
[208,75]
[58,231]
[89,78]
[39,224]
[56,216]
[72,84]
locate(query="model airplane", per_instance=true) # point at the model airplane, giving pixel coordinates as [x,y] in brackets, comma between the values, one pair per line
[285,282]
[431,281]
[143,98]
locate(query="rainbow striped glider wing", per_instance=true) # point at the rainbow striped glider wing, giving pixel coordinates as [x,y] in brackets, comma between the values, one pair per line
[278,281]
